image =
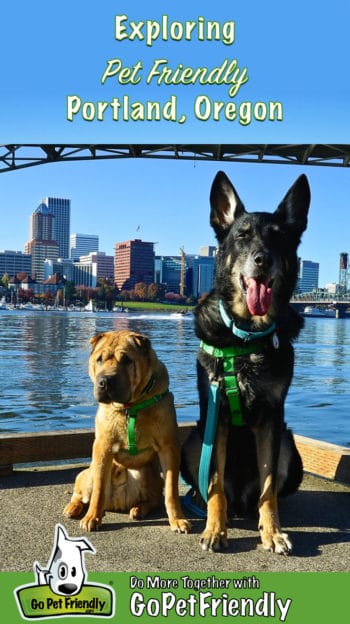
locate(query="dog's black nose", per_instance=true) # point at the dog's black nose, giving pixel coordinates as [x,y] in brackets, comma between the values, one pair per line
[67,588]
[262,259]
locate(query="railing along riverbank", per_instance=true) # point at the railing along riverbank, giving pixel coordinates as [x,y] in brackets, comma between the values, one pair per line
[320,458]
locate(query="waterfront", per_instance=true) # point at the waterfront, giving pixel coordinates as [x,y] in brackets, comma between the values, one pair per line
[45,385]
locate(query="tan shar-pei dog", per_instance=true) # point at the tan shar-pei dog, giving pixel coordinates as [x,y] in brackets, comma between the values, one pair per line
[135,429]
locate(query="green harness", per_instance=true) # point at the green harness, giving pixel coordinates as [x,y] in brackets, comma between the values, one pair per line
[227,357]
[132,410]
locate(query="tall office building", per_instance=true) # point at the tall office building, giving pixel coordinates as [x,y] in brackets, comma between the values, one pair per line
[308,276]
[13,262]
[199,273]
[60,209]
[41,244]
[89,269]
[208,250]
[168,272]
[63,266]
[133,263]
[202,269]
[82,245]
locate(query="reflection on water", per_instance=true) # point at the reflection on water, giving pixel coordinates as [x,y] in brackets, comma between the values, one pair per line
[45,385]
[318,402]
[43,365]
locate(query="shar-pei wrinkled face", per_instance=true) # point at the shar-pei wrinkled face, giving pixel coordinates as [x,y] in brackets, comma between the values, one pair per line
[120,366]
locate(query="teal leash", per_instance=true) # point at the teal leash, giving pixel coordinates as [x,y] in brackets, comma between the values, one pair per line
[208,441]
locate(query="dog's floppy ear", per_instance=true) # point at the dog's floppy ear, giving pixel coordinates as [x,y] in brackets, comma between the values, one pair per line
[225,205]
[141,341]
[294,207]
[95,339]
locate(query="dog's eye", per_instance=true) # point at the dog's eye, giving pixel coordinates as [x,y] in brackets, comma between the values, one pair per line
[125,359]
[99,359]
[62,571]
[74,571]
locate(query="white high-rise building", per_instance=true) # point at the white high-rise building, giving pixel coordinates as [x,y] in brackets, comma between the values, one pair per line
[82,245]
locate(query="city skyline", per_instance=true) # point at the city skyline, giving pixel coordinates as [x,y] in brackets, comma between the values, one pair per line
[135,258]
[167,203]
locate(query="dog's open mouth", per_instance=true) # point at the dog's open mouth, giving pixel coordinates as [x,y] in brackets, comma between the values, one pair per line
[258,294]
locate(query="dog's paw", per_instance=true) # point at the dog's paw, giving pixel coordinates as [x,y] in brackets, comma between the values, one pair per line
[136,513]
[180,525]
[214,540]
[276,542]
[74,509]
[90,522]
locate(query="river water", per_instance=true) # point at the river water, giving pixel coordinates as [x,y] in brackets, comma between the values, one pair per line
[44,383]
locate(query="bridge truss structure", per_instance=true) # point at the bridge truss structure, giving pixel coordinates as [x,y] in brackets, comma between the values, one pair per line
[20,156]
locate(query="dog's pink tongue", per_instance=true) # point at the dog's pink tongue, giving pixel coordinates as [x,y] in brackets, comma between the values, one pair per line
[258,297]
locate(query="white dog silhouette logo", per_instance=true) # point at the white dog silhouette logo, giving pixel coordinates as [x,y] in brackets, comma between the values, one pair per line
[61,588]
[66,571]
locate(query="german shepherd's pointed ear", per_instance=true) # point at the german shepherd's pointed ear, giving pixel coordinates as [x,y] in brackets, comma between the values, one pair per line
[294,207]
[225,205]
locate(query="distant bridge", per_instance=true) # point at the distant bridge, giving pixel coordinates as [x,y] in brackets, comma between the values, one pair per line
[340,303]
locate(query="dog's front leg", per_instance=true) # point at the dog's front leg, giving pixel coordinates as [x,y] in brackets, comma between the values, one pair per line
[101,467]
[268,441]
[169,457]
[214,537]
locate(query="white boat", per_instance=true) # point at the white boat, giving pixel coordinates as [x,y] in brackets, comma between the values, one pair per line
[120,309]
[315,312]
[89,307]
[3,303]
[181,314]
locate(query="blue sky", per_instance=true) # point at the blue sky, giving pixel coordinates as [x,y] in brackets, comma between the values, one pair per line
[298,56]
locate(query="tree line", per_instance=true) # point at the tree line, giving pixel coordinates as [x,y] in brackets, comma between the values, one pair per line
[105,295]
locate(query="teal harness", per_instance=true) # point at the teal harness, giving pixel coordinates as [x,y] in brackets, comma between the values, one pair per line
[226,357]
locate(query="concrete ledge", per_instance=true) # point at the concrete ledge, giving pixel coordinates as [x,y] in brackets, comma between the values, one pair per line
[319,458]
[323,459]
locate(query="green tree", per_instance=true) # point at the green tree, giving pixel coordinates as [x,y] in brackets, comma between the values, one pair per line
[70,292]
[106,293]
[5,280]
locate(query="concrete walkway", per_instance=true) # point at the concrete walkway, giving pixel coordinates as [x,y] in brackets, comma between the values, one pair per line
[317,519]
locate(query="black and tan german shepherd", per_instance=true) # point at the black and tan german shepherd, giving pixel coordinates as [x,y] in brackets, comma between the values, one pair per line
[256,273]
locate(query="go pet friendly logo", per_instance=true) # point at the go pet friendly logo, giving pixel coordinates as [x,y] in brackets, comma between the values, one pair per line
[60,589]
